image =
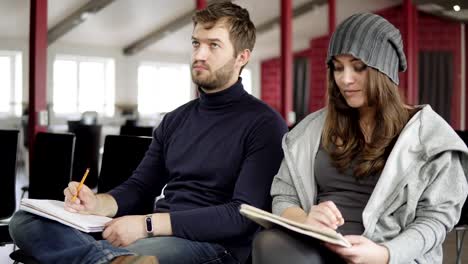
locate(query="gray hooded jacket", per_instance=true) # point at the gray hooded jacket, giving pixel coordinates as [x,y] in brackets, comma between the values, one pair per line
[417,199]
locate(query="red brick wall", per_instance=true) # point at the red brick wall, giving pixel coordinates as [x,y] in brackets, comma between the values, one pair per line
[433,34]
[271,82]
[318,73]
[437,34]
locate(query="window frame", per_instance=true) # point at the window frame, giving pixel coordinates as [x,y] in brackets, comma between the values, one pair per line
[16,83]
[108,106]
[159,65]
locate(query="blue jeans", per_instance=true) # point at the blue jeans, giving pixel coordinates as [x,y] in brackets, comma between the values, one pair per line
[51,242]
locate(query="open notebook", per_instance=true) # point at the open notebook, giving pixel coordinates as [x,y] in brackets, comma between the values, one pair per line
[268,220]
[54,210]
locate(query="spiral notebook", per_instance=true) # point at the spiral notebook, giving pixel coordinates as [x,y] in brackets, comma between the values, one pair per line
[269,220]
[54,210]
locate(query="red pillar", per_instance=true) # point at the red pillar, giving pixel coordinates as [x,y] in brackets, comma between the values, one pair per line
[411,50]
[286,60]
[201,4]
[465,78]
[331,16]
[37,69]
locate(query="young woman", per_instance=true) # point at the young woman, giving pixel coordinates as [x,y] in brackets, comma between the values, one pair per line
[389,176]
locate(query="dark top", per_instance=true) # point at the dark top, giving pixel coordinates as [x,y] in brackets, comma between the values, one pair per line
[215,153]
[349,194]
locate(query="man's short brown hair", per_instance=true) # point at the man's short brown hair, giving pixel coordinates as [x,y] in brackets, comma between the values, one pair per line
[237,20]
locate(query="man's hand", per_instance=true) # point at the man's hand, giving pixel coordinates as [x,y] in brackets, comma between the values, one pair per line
[325,214]
[125,230]
[86,202]
[363,251]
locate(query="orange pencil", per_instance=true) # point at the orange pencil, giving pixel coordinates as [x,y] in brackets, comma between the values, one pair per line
[81,184]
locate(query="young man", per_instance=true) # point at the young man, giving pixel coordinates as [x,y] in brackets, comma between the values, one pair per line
[213,154]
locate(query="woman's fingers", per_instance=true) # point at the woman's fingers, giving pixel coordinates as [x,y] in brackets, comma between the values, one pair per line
[327,214]
[335,211]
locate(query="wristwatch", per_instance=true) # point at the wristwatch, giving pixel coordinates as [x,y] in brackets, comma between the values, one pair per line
[149,225]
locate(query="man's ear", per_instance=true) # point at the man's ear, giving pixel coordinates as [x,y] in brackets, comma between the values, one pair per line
[243,57]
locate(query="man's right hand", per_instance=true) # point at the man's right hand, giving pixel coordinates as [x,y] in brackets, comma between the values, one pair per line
[85,203]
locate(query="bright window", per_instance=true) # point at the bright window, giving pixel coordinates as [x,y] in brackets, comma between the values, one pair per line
[162,87]
[84,84]
[11,84]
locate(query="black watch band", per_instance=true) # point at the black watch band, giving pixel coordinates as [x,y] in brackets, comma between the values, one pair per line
[149,225]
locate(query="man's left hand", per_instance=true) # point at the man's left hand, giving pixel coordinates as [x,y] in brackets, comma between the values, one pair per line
[363,251]
[125,230]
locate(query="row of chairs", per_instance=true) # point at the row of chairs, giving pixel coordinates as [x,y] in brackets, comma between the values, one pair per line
[87,145]
[52,163]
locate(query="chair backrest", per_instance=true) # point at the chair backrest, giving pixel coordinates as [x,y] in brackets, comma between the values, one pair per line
[8,154]
[122,155]
[87,145]
[130,130]
[51,165]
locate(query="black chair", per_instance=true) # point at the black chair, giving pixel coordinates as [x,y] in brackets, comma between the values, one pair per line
[51,165]
[86,155]
[462,225]
[129,130]
[121,157]
[122,154]
[8,155]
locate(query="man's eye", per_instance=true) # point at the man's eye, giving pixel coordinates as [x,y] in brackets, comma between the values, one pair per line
[195,43]
[214,45]
[337,68]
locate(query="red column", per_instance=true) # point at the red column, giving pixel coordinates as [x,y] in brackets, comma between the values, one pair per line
[466,80]
[331,16]
[411,50]
[286,60]
[37,68]
[201,4]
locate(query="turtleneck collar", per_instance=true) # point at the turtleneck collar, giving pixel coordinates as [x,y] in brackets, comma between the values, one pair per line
[222,98]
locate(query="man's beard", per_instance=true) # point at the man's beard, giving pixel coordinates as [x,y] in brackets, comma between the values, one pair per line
[217,79]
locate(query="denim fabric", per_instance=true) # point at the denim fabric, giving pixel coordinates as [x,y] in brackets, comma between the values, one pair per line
[175,250]
[51,242]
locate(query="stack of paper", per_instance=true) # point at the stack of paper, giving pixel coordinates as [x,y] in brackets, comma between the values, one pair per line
[54,210]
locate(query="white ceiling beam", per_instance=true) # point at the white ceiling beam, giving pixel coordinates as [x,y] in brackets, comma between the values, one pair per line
[186,18]
[161,32]
[76,18]
[298,11]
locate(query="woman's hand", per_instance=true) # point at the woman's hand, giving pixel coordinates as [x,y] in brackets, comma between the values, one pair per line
[363,251]
[325,214]
[125,230]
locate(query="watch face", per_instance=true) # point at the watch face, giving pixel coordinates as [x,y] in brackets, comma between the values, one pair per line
[149,224]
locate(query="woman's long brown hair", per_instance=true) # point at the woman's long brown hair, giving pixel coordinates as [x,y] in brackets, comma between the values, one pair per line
[342,137]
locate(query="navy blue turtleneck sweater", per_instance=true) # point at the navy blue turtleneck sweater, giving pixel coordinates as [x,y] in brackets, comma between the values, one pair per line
[214,153]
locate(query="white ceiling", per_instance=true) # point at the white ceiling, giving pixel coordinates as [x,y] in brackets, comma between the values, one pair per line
[125,21]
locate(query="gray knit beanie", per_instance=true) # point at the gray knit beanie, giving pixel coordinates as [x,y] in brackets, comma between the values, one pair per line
[372,39]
